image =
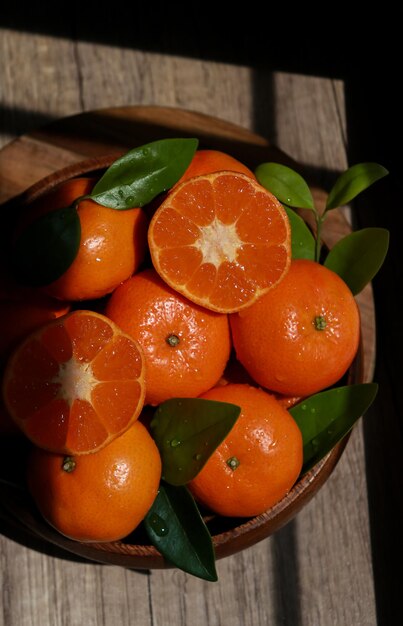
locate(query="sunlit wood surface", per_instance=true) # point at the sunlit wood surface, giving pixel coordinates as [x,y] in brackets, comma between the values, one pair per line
[318,570]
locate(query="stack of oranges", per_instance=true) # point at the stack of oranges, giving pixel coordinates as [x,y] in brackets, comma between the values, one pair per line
[198,299]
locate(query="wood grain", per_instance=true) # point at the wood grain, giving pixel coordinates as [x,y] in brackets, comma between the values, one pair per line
[318,569]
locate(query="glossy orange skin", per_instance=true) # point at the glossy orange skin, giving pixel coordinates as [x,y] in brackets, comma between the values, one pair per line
[151,312]
[113,245]
[107,494]
[209,161]
[276,339]
[266,444]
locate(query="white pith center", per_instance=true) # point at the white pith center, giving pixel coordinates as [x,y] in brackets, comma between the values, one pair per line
[76,381]
[218,242]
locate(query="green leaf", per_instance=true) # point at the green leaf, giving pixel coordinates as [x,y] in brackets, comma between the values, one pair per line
[302,240]
[357,257]
[287,185]
[325,418]
[187,431]
[47,247]
[352,182]
[176,528]
[144,172]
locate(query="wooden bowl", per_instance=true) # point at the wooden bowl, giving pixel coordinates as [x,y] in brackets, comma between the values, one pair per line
[229,535]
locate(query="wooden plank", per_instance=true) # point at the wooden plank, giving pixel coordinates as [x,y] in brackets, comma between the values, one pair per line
[39,78]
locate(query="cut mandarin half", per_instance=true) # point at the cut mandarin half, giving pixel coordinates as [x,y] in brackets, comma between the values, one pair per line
[75,384]
[221,240]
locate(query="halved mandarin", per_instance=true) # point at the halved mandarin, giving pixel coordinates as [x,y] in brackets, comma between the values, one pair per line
[75,384]
[220,239]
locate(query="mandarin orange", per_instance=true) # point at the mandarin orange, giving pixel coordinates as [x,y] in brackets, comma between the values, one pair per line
[112,245]
[185,346]
[259,460]
[221,240]
[75,384]
[303,335]
[97,497]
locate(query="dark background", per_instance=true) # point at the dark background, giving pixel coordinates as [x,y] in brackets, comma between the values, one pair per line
[364,52]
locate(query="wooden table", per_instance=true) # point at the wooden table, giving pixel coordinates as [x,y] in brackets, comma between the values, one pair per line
[318,570]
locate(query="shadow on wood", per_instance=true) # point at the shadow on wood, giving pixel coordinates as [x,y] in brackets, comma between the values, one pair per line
[374,125]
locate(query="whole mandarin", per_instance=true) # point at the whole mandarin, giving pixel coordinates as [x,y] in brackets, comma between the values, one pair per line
[259,460]
[302,336]
[101,496]
[186,347]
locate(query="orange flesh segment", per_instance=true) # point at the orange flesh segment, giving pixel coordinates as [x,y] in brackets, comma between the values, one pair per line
[88,335]
[56,415]
[76,384]
[104,402]
[221,240]
[86,431]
